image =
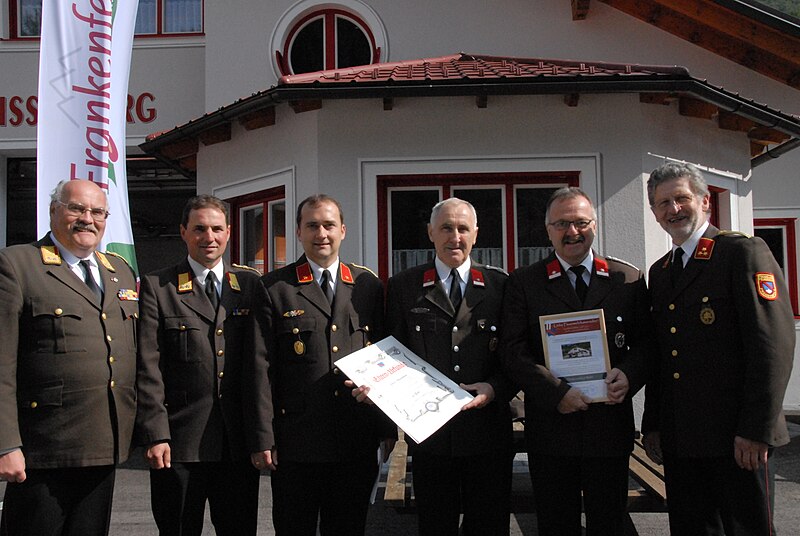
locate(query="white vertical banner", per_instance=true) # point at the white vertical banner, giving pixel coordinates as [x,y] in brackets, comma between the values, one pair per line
[84,66]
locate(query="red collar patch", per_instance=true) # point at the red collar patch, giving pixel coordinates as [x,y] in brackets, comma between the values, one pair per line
[704,248]
[346,274]
[553,269]
[477,278]
[304,273]
[601,267]
[429,278]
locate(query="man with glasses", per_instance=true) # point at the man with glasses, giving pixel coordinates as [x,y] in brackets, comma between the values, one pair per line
[67,371]
[576,447]
[726,339]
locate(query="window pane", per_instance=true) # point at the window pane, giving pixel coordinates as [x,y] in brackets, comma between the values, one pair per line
[410,213]
[30,18]
[308,50]
[532,241]
[183,16]
[278,233]
[252,233]
[352,45]
[488,204]
[146,17]
[774,239]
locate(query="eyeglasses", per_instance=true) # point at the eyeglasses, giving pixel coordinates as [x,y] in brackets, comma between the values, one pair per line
[563,225]
[77,210]
[680,201]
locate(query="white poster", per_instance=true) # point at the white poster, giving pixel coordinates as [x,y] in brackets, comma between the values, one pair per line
[84,66]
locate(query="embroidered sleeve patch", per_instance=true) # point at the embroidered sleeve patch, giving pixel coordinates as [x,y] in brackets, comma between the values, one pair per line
[765,284]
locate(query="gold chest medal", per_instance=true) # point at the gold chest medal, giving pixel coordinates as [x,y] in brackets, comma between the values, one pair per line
[707,315]
[299,347]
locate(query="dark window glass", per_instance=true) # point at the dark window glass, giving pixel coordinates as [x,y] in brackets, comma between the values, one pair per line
[532,241]
[411,212]
[308,49]
[352,45]
[488,204]
[774,239]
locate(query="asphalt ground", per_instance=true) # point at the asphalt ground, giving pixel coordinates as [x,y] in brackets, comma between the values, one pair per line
[131,514]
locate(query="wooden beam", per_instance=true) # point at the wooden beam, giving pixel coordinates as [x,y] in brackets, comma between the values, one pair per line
[756,149]
[731,121]
[766,135]
[217,134]
[571,99]
[388,104]
[306,105]
[481,101]
[179,149]
[580,8]
[258,119]
[189,163]
[696,108]
[657,98]
[769,61]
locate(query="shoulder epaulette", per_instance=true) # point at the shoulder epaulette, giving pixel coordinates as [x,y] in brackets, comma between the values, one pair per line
[364,268]
[118,256]
[243,267]
[733,233]
[621,261]
[495,268]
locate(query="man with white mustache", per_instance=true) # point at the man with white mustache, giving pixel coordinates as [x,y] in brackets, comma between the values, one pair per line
[726,339]
[577,450]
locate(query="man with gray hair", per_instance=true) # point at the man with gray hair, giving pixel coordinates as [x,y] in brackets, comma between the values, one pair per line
[726,339]
[67,371]
[448,312]
[577,450]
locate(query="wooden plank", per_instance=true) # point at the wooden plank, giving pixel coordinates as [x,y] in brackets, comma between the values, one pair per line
[395,494]
[646,473]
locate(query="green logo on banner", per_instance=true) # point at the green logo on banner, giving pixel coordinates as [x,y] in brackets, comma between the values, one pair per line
[127,252]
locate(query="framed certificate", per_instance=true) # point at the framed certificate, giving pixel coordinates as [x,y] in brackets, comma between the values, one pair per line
[576,350]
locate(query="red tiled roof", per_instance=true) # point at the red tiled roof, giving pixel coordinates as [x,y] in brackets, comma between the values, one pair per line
[466,67]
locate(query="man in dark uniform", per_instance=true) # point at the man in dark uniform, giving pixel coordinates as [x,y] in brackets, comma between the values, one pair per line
[726,342]
[575,445]
[197,338]
[319,309]
[67,371]
[448,312]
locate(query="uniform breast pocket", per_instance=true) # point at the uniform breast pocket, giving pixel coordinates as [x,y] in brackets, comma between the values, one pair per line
[57,327]
[489,330]
[184,337]
[295,335]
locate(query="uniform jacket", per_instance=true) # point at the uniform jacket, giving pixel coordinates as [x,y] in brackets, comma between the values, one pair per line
[64,357]
[725,348]
[192,362]
[315,417]
[544,289]
[463,345]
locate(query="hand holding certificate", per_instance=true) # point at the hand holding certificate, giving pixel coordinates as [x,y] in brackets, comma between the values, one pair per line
[576,351]
[416,396]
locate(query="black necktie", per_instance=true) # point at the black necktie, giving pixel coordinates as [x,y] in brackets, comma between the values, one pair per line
[580,285]
[90,282]
[325,283]
[211,290]
[677,266]
[455,289]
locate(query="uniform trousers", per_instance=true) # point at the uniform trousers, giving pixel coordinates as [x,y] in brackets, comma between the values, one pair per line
[59,502]
[480,486]
[179,494]
[714,496]
[557,484]
[337,493]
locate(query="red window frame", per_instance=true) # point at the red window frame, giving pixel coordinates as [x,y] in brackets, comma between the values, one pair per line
[264,197]
[447,181]
[788,226]
[329,31]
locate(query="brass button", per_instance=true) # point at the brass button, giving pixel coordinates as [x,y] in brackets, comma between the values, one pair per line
[221,374]
[416,328]
[456,368]
[366,328]
[336,393]
[455,348]
[295,331]
[283,412]
[108,338]
[103,316]
[336,370]
[34,404]
[112,383]
[334,328]
[676,375]
[674,353]
[220,352]
[135,315]
[671,306]
[705,299]
[183,327]
[111,359]
[59,311]
[335,349]
[219,332]
[219,395]
[673,329]
[455,329]
[493,328]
